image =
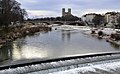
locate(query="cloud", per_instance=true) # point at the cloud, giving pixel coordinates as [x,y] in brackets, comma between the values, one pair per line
[98,11]
[76,12]
[54,4]
[79,7]
[42,13]
[28,1]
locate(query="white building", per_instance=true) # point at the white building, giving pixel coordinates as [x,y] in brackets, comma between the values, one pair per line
[111,18]
[89,18]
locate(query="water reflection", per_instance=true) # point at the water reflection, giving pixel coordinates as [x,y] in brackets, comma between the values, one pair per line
[115,45]
[99,38]
[66,35]
[6,52]
[28,52]
[19,43]
[23,50]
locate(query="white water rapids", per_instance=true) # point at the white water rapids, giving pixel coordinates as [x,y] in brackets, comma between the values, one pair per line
[108,64]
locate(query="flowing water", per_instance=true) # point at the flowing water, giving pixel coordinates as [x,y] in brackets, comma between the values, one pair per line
[109,64]
[55,43]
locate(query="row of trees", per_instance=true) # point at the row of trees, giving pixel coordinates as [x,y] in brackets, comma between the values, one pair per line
[46,19]
[63,18]
[70,18]
[98,20]
[10,11]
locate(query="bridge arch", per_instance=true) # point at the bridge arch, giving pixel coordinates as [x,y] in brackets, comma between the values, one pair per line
[46,23]
[58,22]
[77,23]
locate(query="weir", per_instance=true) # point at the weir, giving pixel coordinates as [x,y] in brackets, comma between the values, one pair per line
[102,63]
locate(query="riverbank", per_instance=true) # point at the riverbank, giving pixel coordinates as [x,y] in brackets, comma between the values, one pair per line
[111,35]
[20,31]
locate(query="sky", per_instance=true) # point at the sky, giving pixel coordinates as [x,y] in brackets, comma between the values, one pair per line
[53,8]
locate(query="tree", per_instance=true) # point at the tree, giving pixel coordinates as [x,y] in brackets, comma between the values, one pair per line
[10,11]
[58,18]
[98,20]
[70,18]
[118,20]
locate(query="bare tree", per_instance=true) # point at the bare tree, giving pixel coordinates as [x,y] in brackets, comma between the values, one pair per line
[10,11]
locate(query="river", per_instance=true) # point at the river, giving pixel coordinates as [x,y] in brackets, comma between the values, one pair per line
[52,44]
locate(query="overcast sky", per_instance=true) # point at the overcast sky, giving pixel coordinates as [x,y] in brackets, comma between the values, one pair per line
[48,8]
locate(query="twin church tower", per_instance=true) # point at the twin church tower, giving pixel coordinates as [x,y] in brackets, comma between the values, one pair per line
[64,13]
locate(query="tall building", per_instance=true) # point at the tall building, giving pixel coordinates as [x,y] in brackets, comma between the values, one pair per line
[69,11]
[64,13]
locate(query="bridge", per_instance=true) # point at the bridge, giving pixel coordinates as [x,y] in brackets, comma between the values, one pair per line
[79,23]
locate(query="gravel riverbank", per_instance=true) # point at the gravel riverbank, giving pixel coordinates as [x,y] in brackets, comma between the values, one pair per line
[111,35]
[21,31]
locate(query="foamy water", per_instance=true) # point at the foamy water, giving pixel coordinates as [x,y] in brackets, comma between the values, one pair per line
[109,64]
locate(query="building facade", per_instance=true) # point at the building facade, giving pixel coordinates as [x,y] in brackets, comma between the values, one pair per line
[111,18]
[88,18]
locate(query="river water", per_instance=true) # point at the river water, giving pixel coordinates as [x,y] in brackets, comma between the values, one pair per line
[55,43]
